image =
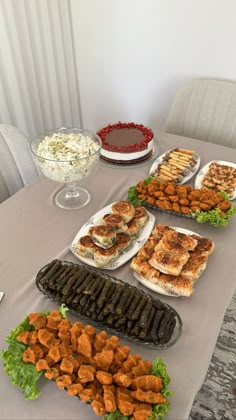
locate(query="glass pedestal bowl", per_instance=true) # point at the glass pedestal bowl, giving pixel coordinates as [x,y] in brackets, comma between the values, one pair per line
[67,155]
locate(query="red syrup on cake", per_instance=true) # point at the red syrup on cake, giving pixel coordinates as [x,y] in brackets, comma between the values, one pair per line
[126,142]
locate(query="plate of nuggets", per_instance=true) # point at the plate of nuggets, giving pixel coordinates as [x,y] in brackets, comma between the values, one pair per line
[172,260]
[113,235]
[218,175]
[178,165]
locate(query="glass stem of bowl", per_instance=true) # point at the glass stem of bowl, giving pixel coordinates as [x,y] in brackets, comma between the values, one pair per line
[72,192]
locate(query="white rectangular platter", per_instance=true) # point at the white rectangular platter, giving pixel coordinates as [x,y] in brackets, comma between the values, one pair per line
[137,243]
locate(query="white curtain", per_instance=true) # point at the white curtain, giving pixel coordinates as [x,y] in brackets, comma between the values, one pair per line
[38,73]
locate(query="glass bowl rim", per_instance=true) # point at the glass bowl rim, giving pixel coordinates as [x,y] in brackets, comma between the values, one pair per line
[61,129]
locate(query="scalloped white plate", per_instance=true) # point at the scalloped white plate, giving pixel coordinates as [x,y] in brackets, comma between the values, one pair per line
[185,178]
[137,243]
[154,287]
[204,170]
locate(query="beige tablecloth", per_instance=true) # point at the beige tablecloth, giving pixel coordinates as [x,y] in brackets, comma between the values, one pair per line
[34,231]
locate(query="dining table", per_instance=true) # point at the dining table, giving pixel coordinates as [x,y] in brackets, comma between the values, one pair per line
[34,231]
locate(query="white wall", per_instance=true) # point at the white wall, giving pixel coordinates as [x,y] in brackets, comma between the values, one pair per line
[132,55]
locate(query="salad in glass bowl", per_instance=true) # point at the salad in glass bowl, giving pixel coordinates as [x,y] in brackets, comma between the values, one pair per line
[68,155]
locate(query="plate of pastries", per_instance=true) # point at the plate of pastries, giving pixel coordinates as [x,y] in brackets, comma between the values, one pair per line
[178,165]
[113,235]
[218,175]
[172,260]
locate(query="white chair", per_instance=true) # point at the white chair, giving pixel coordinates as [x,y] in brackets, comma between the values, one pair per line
[17,168]
[206,110]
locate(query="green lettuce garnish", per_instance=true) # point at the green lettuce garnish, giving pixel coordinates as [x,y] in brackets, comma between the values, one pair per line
[22,374]
[214,217]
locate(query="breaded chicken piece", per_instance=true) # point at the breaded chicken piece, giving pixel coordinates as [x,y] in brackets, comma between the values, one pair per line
[74,389]
[109,398]
[122,380]
[46,338]
[86,373]
[64,325]
[99,341]
[53,372]
[75,332]
[104,378]
[112,343]
[85,346]
[143,368]
[148,396]
[124,401]
[98,405]
[66,366]
[63,381]
[147,383]
[142,411]
[104,359]
[37,320]
[131,361]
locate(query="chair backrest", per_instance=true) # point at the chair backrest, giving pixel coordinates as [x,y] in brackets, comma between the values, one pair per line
[17,168]
[206,110]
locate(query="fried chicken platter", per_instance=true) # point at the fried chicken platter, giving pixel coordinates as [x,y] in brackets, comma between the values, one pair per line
[218,175]
[87,364]
[170,262]
[202,204]
[178,165]
[110,303]
[109,238]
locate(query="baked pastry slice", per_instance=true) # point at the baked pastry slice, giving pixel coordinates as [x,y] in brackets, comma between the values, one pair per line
[166,262]
[133,228]
[141,266]
[104,256]
[85,246]
[122,242]
[124,209]
[178,285]
[194,267]
[187,241]
[140,216]
[115,221]
[174,248]
[204,246]
[103,236]
[159,230]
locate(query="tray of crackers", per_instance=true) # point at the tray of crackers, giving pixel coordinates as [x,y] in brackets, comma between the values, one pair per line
[178,165]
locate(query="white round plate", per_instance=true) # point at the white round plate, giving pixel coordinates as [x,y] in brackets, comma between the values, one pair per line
[154,287]
[185,178]
[136,244]
[204,170]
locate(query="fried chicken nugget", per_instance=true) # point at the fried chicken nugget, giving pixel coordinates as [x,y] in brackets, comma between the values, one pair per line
[104,378]
[120,356]
[122,380]
[204,206]
[99,341]
[98,406]
[173,198]
[170,189]
[29,356]
[46,338]
[148,396]
[112,343]
[142,411]
[74,389]
[224,205]
[53,372]
[176,207]
[66,366]
[104,359]
[109,398]
[131,361]
[194,195]
[124,401]
[37,320]
[85,346]
[147,383]
[86,373]
[181,191]
[143,368]
[75,332]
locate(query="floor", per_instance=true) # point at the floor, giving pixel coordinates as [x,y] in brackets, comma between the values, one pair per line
[216,399]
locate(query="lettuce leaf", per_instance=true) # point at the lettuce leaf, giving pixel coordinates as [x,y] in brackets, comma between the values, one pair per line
[214,217]
[22,374]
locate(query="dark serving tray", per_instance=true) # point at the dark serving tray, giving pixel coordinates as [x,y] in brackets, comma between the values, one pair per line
[110,303]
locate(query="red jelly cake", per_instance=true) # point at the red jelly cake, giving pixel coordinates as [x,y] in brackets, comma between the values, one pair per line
[126,142]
